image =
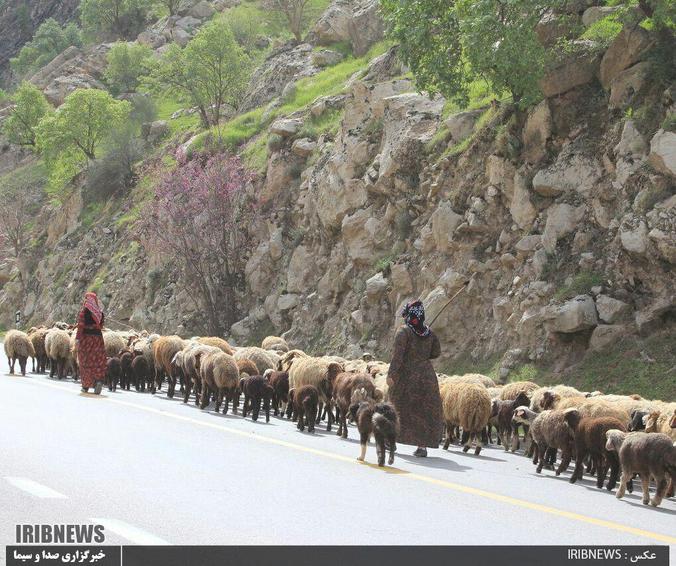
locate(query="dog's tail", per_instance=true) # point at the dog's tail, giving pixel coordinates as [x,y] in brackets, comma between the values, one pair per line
[384,420]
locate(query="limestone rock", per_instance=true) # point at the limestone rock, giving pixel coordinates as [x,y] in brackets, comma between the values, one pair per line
[155,131]
[401,279]
[626,49]
[180,36]
[522,210]
[375,287]
[202,10]
[562,219]
[628,84]
[595,13]
[287,302]
[366,26]
[300,271]
[333,25]
[611,310]
[606,335]
[188,24]
[635,238]
[536,132]
[665,242]
[359,236]
[631,143]
[663,152]
[303,147]
[573,316]
[151,39]
[461,125]
[286,127]
[528,244]
[577,70]
[326,58]
[444,222]
[571,172]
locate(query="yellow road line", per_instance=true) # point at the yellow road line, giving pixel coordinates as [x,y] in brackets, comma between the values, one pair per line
[398,471]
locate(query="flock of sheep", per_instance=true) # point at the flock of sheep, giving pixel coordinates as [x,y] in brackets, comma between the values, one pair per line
[606,435]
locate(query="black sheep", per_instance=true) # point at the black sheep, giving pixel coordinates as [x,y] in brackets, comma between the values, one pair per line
[113,373]
[256,389]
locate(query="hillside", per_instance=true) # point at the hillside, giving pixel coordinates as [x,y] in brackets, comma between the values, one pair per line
[560,216]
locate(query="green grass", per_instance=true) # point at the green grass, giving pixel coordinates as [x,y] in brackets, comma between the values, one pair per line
[166,106]
[603,31]
[465,364]
[326,123]
[580,285]
[255,154]
[31,174]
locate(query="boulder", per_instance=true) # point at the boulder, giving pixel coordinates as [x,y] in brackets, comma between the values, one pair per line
[401,279]
[631,144]
[155,131]
[303,147]
[376,287]
[553,27]
[536,131]
[188,24]
[300,272]
[333,25]
[665,242]
[628,84]
[576,70]
[528,244]
[359,232]
[202,10]
[151,38]
[280,175]
[326,58]
[562,219]
[444,222]
[461,125]
[627,48]
[571,172]
[595,13]
[634,238]
[60,87]
[286,127]
[573,316]
[522,210]
[288,302]
[651,318]
[180,36]
[606,335]
[366,27]
[611,310]
[663,152]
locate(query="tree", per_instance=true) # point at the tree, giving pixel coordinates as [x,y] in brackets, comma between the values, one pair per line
[126,63]
[172,6]
[198,222]
[450,44]
[82,122]
[114,18]
[296,13]
[210,72]
[49,40]
[30,106]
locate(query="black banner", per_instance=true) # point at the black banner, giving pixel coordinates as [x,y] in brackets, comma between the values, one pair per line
[339,555]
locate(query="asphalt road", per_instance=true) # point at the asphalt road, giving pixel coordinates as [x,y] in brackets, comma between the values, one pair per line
[155,471]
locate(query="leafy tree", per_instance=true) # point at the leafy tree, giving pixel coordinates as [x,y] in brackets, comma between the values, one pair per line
[198,221]
[82,122]
[210,72]
[295,12]
[126,63]
[30,106]
[114,18]
[172,6]
[49,40]
[450,44]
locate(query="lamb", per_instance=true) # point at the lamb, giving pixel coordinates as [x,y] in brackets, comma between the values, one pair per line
[305,401]
[57,346]
[164,350]
[280,386]
[560,391]
[247,367]
[589,436]
[549,430]
[262,358]
[18,346]
[287,359]
[636,420]
[141,372]
[275,343]
[256,389]
[113,343]
[113,373]
[511,390]
[37,337]
[190,365]
[220,375]
[380,420]
[467,405]
[344,386]
[660,421]
[502,411]
[216,342]
[648,455]
[126,357]
[318,372]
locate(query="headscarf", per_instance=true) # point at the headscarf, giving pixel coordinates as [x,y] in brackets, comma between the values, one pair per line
[414,315]
[91,303]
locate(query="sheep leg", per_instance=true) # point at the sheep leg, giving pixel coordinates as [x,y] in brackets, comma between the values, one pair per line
[448,436]
[363,441]
[301,420]
[235,401]
[614,470]
[515,438]
[319,412]
[466,441]
[645,484]
[535,453]
[245,408]
[577,472]
[266,409]
[311,418]
[478,443]
[542,449]
[566,456]
[204,398]
[329,417]
[380,448]
[392,442]
[22,365]
[660,491]
[601,470]
[256,408]
[219,400]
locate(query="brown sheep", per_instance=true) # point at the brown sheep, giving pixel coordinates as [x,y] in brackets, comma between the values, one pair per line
[18,346]
[380,420]
[164,350]
[319,372]
[37,337]
[589,434]
[510,391]
[113,342]
[220,376]
[649,456]
[660,421]
[57,345]
[113,373]
[126,379]
[344,386]
[503,411]
[549,430]
[190,364]
[247,367]
[275,343]
[256,389]
[305,401]
[141,372]
[280,386]
[216,342]
[466,405]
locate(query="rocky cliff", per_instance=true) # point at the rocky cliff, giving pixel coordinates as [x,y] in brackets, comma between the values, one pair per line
[560,220]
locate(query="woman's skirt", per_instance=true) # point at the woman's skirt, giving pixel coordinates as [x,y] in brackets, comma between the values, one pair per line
[91,359]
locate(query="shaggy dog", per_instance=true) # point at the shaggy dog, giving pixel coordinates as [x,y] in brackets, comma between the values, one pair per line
[380,420]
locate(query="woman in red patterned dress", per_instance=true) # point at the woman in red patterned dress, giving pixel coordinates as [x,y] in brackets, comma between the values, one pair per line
[91,353]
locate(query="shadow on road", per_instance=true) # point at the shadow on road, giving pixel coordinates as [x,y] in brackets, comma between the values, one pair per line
[471,454]
[434,462]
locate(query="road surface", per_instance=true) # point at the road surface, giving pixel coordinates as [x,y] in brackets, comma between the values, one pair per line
[155,471]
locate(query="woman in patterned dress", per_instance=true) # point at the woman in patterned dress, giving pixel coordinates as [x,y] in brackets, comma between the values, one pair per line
[414,388]
[91,353]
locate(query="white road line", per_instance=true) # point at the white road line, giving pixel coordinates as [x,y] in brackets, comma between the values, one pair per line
[34,488]
[130,532]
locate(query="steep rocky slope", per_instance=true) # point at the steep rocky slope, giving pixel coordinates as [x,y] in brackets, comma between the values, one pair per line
[561,219]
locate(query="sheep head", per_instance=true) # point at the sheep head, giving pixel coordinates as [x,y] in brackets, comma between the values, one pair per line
[650,421]
[615,438]
[636,422]
[522,415]
[549,398]
[572,418]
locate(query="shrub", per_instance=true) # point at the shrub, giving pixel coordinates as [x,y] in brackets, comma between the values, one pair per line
[126,63]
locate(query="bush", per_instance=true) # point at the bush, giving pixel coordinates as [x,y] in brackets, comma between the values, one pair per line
[126,63]
[120,19]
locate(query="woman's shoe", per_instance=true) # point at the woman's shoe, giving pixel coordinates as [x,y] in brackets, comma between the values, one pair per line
[98,387]
[420,453]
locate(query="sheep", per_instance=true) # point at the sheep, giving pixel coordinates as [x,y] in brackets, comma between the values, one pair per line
[190,365]
[113,373]
[305,401]
[501,413]
[636,420]
[660,421]
[549,430]
[57,346]
[126,376]
[287,358]
[73,360]
[589,436]
[256,389]
[141,372]
[318,372]
[113,343]
[648,455]
[164,350]
[380,420]
[220,375]
[37,338]
[247,367]
[511,390]
[262,358]
[216,342]
[280,386]
[275,343]
[382,387]
[560,391]
[344,386]
[18,346]
[467,405]
[588,407]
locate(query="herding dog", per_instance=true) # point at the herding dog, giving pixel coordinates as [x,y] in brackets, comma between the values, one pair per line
[379,419]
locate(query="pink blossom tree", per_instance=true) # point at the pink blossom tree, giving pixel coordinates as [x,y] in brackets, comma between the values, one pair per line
[198,221]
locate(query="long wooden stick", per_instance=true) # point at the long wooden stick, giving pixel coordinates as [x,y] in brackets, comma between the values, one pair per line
[464,286]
